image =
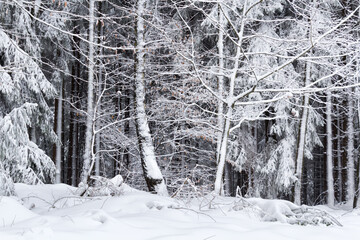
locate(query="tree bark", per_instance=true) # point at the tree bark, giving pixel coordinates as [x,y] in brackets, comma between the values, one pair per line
[339,160]
[153,176]
[302,140]
[329,152]
[218,188]
[59,122]
[88,151]
[350,152]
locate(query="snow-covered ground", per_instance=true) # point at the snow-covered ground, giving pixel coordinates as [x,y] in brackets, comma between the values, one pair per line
[55,212]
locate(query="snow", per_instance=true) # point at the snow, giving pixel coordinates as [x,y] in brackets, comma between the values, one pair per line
[55,212]
[13,212]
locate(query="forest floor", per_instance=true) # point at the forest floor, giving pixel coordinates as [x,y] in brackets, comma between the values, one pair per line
[55,212]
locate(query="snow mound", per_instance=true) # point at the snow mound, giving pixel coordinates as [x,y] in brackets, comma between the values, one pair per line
[38,233]
[101,186]
[12,211]
[274,210]
[100,216]
[286,212]
[159,205]
[45,195]
[62,214]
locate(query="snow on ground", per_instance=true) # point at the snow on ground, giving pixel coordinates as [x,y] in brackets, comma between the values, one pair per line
[55,212]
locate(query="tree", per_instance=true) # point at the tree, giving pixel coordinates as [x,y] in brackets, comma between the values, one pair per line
[23,89]
[152,173]
[257,80]
[329,151]
[89,156]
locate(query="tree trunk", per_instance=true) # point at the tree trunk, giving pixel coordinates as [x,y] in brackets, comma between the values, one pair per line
[220,78]
[350,152]
[152,173]
[302,139]
[88,151]
[357,193]
[339,160]
[98,106]
[329,152]
[59,122]
[222,156]
[229,114]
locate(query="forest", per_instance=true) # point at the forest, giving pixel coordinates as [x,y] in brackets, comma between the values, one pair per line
[183,98]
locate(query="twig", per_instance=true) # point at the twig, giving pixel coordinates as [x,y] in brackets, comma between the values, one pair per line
[66,197]
[182,208]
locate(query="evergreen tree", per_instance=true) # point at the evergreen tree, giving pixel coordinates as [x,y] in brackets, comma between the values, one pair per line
[23,92]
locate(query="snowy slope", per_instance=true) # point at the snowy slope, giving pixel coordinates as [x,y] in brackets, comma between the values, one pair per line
[56,213]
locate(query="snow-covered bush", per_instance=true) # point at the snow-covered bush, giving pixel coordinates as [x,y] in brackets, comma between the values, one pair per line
[102,187]
[285,212]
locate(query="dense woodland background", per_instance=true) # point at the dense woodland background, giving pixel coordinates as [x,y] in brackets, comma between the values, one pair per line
[183,97]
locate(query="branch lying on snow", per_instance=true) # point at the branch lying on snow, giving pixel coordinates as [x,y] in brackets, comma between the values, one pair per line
[183,208]
[317,212]
[33,205]
[286,212]
[53,204]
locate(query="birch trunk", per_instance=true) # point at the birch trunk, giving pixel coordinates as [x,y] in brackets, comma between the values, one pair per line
[88,151]
[74,155]
[350,152]
[357,192]
[230,108]
[59,134]
[357,184]
[98,138]
[226,129]
[152,173]
[220,46]
[223,150]
[329,151]
[339,162]
[99,91]
[302,140]
[220,78]
[357,202]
